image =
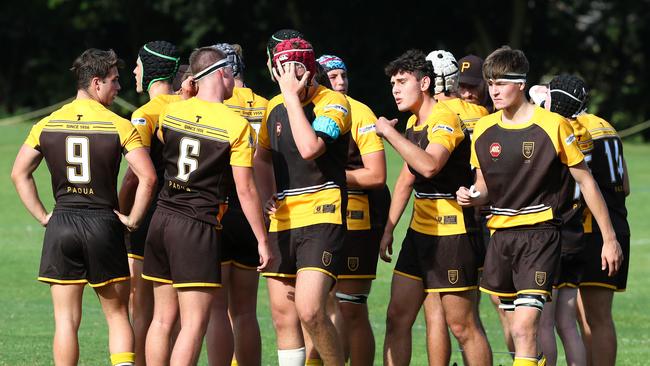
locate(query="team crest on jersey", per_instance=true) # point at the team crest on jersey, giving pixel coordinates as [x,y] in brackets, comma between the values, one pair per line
[353,263]
[327,258]
[528,148]
[452,276]
[540,278]
[495,149]
[278,128]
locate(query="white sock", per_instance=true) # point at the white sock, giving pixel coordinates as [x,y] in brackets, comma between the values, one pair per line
[291,357]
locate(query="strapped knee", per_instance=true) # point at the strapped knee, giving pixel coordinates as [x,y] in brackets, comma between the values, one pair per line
[359,299]
[531,300]
[507,303]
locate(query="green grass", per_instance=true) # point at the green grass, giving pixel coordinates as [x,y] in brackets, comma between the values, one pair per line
[26,322]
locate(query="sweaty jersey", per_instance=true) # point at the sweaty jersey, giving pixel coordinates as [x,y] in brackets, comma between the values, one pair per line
[202,141]
[145,120]
[82,145]
[366,208]
[248,105]
[522,165]
[309,191]
[606,164]
[435,210]
[468,113]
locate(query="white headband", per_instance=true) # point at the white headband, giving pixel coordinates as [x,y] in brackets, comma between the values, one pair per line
[211,69]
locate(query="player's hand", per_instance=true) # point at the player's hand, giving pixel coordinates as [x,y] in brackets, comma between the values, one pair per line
[188,88]
[287,78]
[386,247]
[46,219]
[266,255]
[467,197]
[382,125]
[126,220]
[270,207]
[611,257]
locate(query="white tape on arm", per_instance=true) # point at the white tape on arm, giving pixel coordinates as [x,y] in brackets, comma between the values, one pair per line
[473,192]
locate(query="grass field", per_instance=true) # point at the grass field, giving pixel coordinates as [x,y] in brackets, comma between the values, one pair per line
[26,322]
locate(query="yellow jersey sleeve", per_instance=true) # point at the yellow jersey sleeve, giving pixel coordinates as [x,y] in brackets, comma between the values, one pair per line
[129,137]
[445,129]
[363,131]
[336,108]
[263,134]
[242,143]
[33,139]
[583,137]
[568,150]
[145,124]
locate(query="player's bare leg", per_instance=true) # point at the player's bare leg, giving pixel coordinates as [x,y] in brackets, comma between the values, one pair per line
[66,301]
[438,342]
[218,337]
[546,330]
[242,308]
[114,299]
[140,307]
[597,304]
[505,324]
[165,314]
[406,297]
[565,320]
[312,291]
[194,308]
[585,331]
[524,323]
[359,341]
[286,323]
[460,313]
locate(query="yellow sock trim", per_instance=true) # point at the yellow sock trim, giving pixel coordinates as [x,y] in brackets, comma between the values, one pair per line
[234,362]
[123,358]
[524,361]
[313,362]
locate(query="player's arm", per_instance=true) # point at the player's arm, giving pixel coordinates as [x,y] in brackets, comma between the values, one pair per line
[250,204]
[27,160]
[140,163]
[264,176]
[426,162]
[373,173]
[126,195]
[309,144]
[612,255]
[401,194]
[477,195]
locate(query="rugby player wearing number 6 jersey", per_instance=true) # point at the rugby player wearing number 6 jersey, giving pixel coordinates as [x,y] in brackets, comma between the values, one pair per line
[519,153]
[84,241]
[203,140]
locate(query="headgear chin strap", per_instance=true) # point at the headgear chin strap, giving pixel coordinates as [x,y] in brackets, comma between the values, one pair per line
[211,69]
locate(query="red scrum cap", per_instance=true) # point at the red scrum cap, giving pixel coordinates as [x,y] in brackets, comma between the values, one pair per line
[296,50]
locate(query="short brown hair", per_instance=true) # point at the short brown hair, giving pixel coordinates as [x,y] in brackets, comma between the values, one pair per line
[204,57]
[94,63]
[503,61]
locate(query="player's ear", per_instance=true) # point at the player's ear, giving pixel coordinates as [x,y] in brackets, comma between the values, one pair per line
[425,82]
[522,86]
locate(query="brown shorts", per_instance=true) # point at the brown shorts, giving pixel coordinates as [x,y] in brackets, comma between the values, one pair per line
[83,246]
[315,247]
[444,263]
[522,260]
[238,241]
[135,240]
[182,251]
[593,275]
[571,258]
[360,254]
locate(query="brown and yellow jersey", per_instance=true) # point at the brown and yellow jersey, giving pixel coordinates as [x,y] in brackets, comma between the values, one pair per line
[202,141]
[435,210]
[82,145]
[522,165]
[469,113]
[309,191]
[248,105]
[145,120]
[607,167]
[366,208]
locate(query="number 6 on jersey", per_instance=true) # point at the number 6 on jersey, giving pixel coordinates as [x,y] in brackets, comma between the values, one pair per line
[186,164]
